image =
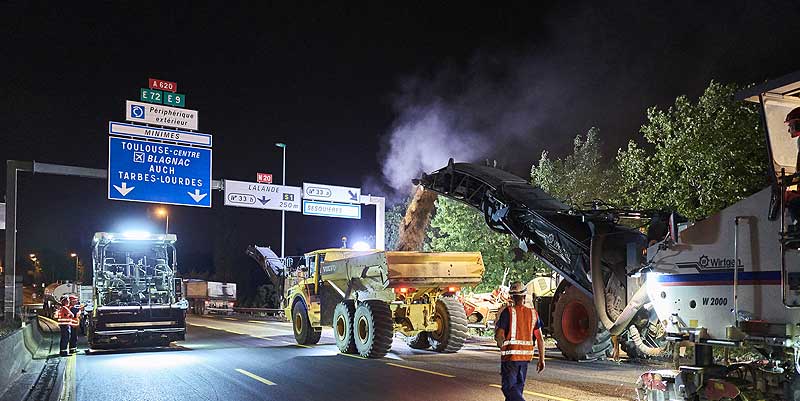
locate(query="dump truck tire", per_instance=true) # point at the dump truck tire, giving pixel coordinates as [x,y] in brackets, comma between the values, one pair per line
[577,329]
[343,326]
[452,331]
[303,332]
[372,329]
[419,341]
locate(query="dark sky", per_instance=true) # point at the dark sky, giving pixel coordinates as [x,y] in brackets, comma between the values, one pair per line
[338,85]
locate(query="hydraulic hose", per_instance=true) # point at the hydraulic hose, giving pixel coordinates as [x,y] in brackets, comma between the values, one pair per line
[641,346]
[598,288]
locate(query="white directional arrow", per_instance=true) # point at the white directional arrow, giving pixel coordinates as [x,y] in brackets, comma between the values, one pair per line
[197,196]
[124,189]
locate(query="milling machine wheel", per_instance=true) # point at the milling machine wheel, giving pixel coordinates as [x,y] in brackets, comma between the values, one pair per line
[304,334]
[419,341]
[452,330]
[372,329]
[343,326]
[577,329]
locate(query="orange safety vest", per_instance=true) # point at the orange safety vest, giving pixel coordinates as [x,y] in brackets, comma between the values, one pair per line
[518,344]
[76,318]
[64,316]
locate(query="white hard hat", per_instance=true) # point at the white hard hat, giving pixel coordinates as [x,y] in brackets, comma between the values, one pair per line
[517,288]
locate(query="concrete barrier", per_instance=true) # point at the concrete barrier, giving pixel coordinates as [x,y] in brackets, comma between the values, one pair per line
[17,350]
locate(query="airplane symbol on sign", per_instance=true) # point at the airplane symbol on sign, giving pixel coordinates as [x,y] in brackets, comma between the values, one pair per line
[138,157]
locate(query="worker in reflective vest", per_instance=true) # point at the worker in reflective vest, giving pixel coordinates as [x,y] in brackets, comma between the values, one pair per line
[74,324]
[64,316]
[516,328]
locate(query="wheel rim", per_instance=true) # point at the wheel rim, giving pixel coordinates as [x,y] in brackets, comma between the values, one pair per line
[441,326]
[298,323]
[363,329]
[340,327]
[575,323]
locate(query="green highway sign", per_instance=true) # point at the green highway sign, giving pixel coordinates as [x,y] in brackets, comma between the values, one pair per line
[151,96]
[175,99]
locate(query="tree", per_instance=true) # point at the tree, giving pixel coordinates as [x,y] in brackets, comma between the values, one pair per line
[458,228]
[580,177]
[394,215]
[701,156]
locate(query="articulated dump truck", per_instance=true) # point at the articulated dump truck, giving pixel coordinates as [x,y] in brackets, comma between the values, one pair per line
[367,296]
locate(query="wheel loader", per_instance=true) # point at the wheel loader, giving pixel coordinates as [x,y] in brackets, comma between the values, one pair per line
[367,296]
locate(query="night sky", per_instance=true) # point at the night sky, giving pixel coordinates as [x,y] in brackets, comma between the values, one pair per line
[350,90]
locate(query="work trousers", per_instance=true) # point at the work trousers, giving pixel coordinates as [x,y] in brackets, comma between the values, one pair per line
[73,338]
[65,334]
[513,379]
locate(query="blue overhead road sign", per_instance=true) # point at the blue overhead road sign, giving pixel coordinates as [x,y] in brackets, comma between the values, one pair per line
[142,171]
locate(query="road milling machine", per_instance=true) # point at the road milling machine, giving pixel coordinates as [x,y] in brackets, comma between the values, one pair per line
[135,295]
[367,296]
[729,281]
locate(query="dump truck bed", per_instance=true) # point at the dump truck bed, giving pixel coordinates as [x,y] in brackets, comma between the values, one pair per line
[406,269]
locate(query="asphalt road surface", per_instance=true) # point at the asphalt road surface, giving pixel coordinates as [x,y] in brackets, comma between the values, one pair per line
[227,359]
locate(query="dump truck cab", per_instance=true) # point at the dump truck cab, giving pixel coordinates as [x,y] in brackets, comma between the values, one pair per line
[302,279]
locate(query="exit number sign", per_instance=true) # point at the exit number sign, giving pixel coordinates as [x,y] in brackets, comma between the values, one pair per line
[264,178]
[162,85]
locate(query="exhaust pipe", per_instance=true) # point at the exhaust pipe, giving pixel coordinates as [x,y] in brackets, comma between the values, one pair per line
[640,298]
[641,346]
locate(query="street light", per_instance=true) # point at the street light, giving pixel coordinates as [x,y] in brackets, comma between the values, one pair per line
[163,213]
[283,212]
[75,255]
[37,267]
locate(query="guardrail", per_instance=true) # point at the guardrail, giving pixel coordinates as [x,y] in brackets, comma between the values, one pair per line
[261,312]
[32,310]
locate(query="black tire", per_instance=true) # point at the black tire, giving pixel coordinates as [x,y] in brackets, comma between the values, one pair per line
[304,334]
[452,331]
[343,326]
[577,329]
[419,341]
[372,329]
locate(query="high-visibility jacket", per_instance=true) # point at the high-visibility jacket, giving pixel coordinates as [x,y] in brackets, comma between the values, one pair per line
[518,344]
[76,316]
[64,316]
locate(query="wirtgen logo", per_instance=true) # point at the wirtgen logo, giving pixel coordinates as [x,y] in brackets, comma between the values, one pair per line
[707,263]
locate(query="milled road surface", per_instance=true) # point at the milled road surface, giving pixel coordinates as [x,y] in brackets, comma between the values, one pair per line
[227,359]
